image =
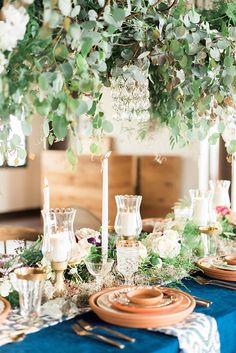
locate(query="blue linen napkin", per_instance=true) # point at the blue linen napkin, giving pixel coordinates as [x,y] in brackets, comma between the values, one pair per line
[198,333]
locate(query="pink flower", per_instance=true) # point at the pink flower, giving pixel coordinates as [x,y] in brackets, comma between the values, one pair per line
[222,210]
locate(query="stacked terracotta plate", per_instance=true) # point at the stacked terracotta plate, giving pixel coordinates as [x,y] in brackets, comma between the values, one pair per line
[5,308]
[223,267]
[142,307]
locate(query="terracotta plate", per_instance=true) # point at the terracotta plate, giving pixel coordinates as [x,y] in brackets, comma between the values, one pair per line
[206,265]
[170,300]
[6,310]
[111,315]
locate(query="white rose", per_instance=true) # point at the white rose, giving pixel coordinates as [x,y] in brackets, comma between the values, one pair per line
[142,250]
[28,2]
[148,241]
[172,234]
[14,26]
[166,248]
[8,37]
[81,251]
[5,288]
[17,17]
[85,233]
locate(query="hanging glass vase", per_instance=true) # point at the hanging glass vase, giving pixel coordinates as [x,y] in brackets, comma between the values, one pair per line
[131,96]
[220,190]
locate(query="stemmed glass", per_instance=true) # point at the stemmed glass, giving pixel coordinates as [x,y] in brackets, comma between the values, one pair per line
[99,269]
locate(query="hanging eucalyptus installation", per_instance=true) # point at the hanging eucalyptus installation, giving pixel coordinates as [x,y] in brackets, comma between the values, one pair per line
[56,57]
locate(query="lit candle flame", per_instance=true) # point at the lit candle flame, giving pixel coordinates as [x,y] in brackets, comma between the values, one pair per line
[107,155]
[45,182]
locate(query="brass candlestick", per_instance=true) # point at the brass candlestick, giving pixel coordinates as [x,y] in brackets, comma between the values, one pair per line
[211,230]
[59,268]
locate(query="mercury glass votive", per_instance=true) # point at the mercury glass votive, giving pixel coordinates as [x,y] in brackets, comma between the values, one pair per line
[29,283]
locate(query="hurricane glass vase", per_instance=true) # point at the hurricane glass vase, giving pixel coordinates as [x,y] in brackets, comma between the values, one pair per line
[220,190]
[200,207]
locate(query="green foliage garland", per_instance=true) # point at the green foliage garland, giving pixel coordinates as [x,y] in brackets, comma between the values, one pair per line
[72,48]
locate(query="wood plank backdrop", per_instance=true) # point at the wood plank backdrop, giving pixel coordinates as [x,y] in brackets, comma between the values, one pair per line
[159,184]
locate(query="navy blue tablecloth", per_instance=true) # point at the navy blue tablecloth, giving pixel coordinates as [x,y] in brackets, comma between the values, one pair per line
[61,339]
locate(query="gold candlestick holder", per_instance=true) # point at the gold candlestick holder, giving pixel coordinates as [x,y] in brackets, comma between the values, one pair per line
[59,268]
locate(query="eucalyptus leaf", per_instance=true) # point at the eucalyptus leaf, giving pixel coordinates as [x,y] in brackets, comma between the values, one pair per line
[194,17]
[71,157]
[86,46]
[82,108]
[95,149]
[51,139]
[26,127]
[75,11]
[59,125]
[79,147]
[65,7]
[45,128]
[107,126]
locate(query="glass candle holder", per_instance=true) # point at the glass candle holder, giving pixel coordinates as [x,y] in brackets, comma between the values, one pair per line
[128,220]
[59,242]
[208,240]
[29,283]
[200,207]
[220,191]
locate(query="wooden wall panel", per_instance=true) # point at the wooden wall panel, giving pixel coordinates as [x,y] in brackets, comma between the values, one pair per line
[159,184]
[82,187]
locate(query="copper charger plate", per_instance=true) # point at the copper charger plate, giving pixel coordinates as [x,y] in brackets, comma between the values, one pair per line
[225,275]
[136,320]
[6,310]
[170,300]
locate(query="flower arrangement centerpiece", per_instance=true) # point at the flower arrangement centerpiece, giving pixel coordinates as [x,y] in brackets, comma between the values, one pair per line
[164,257]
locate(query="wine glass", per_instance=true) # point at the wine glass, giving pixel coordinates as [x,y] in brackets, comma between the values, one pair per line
[99,269]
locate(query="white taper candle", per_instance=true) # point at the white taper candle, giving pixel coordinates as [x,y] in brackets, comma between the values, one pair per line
[46,195]
[203,165]
[105,184]
[233,184]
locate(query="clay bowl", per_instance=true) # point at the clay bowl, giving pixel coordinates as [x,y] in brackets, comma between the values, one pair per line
[145,296]
[231,260]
